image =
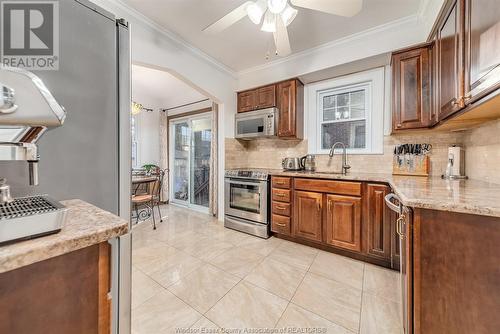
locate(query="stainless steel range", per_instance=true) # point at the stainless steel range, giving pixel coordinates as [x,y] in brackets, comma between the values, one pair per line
[247,201]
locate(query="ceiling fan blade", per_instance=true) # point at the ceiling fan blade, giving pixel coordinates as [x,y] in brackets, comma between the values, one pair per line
[346,8]
[228,20]
[281,39]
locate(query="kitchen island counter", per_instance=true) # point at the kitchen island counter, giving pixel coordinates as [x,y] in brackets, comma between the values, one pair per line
[463,196]
[85,225]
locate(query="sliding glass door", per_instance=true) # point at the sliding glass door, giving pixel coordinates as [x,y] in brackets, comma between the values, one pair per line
[190,149]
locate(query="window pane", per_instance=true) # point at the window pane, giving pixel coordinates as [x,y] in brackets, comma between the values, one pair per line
[343,99]
[329,101]
[358,97]
[358,111]
[343,113]
[329,115]
[352,134]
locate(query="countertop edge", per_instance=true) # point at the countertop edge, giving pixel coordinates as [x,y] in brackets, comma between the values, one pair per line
[40,249]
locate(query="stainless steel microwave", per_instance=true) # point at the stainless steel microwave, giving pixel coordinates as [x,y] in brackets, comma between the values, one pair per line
[254,124]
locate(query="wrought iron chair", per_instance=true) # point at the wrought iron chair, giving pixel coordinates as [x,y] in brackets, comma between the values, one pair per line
[150,199]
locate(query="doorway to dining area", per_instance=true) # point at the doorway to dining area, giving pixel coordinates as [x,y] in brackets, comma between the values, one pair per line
[190,159]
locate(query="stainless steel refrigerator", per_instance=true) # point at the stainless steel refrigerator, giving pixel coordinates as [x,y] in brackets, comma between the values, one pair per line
[89,156]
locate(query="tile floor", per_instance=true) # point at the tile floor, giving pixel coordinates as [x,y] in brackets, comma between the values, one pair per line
[192,273]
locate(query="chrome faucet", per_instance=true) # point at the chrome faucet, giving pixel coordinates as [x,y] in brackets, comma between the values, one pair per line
[345,166]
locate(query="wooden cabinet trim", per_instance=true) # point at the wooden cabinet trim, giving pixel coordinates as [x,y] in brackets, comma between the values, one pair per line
[328,186]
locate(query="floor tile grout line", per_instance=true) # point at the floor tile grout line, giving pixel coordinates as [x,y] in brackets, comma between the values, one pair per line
[361,306]
[296,289]
[291,300]
[203,313]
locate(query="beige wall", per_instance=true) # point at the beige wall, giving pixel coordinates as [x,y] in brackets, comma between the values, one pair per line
[267,153]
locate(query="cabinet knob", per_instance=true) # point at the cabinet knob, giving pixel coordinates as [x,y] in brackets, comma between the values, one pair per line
[455,103]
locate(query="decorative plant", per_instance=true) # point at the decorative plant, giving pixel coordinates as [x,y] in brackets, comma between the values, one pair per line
[150,167]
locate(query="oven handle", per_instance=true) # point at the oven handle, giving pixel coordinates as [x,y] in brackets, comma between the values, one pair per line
[241,181]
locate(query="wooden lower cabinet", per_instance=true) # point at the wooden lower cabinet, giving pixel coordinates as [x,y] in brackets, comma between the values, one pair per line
[343,222]
[346,217]
[455,273]
[307,215]
[64,294]
[378,222]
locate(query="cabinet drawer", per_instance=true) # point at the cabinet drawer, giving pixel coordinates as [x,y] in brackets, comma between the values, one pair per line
[281,195]
[329,186]
[282,209]
[280,224]
[281,182]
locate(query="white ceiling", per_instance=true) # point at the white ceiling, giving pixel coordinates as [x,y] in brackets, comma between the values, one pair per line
[243,45]
[151,86]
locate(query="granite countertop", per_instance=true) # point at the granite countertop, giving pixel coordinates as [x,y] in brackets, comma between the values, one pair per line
[464,196]
[85,225]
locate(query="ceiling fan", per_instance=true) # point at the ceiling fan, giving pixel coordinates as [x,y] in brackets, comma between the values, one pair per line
[276,16]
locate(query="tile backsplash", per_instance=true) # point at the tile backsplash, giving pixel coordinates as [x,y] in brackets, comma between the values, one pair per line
[482,155]
[267,153]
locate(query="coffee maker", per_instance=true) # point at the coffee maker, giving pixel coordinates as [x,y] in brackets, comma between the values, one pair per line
[27,111]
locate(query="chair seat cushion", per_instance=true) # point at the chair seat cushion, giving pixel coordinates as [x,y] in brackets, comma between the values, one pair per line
[141,198]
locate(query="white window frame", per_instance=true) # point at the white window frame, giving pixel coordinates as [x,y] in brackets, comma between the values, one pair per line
[136,120]
[372,81]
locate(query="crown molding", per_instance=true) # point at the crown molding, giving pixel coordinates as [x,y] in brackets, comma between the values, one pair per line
[174,37]
[334,44]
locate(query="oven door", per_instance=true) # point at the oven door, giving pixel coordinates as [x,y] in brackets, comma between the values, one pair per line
[246,199]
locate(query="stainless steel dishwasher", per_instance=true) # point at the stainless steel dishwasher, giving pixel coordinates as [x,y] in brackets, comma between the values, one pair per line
[404,226]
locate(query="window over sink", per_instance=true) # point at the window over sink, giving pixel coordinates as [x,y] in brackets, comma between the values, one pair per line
[349,109]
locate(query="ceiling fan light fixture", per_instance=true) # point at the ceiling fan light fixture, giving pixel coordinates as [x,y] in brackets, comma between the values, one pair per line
[269,24]
[276,6]
[255,11]
[288,15]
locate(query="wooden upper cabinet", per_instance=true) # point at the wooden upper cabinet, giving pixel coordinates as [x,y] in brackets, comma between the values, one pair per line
[255,99]
[343,222]
[482,45]
[378,221]
[247,101]
[290,109]
[412,88]
[266,97]
[450,61]
[307,215]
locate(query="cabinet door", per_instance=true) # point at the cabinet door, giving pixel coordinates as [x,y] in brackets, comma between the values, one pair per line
[343,222]
[412,89]
[378,222]
[266,97]
[482,45]
[287,103]
[307,215]
[450,67]
[247,100]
